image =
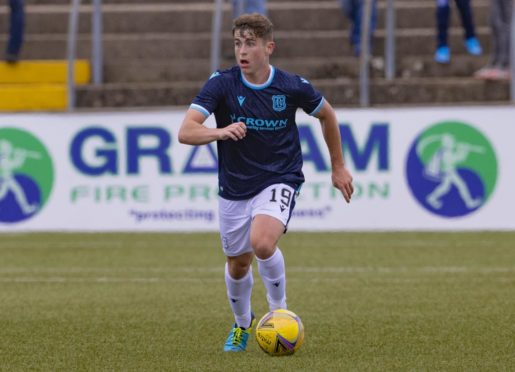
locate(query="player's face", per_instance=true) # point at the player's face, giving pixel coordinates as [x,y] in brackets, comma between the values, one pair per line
[252,53]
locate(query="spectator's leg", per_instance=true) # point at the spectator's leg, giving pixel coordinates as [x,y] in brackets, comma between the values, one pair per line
[373,20]
[504,15]
[443,12]
[357,12]
[471,42]
[351,10]
[373,23]
[467,18]
[496,29]
[16,28]
[237,8]
[255,6]
[347,8]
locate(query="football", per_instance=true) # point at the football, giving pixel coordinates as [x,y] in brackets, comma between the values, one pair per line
[280,332]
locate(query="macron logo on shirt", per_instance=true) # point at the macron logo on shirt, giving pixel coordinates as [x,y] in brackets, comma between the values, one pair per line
[241,99]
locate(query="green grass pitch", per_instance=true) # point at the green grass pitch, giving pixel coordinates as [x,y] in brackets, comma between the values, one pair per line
[157,302]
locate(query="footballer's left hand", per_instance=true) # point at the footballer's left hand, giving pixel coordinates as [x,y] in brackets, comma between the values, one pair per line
[342,180]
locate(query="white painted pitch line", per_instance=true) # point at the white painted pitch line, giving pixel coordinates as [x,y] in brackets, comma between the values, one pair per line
[78,280]
[289,269]
[187,243]
[104,280]
[395,270]
[108,270]
[92,244]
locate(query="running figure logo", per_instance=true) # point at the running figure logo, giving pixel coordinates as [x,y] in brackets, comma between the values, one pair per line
[451,169]
[10,159]
[26,175]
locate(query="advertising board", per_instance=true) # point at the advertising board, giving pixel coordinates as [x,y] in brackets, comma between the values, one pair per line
[414,169]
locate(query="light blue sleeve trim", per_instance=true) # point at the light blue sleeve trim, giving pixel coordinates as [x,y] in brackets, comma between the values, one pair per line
[318,108]
[201,109]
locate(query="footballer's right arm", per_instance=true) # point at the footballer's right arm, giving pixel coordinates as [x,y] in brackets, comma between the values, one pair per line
[193,131]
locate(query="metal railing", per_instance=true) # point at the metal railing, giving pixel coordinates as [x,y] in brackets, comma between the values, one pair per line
[389,49]
[96,47]
[216,46]
[364,59]
[97,53]
[364,83]
[216,35]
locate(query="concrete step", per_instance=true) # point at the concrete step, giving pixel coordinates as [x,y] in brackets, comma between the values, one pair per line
[50,2]
[33,97]
[38,85]
[196,17]
[290,44]
[409,67]
[67,2]
[157,53]
[138,71]
[342,92]
[137,94]
[43,72]
[421,91]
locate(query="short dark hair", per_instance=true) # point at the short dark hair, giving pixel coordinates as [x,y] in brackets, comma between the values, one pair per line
[256,23]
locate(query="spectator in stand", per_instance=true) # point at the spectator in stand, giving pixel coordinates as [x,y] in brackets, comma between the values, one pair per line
[240,7]
[353,9]
[443,12]
[498,67]
[16,28]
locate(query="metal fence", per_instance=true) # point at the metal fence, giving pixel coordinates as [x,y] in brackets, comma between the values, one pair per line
[364,84]
[216,46]
[96,46]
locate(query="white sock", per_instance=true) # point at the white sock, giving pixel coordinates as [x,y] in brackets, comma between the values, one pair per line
[238,293]
[273,275]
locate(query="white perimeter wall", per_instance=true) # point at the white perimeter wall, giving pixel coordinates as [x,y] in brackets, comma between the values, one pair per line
[145,183]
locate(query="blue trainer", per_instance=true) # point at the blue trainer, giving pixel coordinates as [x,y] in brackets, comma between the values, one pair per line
[473,46]
[238,337]
[443,54]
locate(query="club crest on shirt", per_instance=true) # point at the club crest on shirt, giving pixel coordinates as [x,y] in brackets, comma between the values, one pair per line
[279,102]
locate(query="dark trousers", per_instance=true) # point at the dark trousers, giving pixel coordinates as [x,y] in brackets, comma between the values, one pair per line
[353,9]
[443,13]
[500,23]
[240,7]
[16,27]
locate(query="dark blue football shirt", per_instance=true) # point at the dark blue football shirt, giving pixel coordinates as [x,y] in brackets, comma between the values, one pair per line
[270,152]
